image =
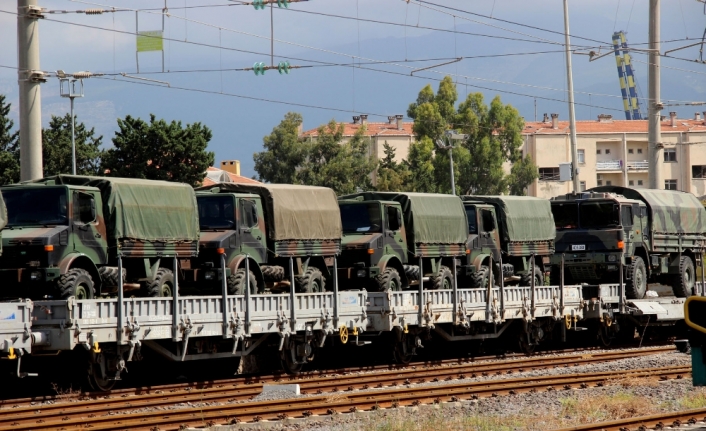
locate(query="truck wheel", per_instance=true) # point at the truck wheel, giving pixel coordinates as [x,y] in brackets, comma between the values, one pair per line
[479,280]
[389,280]
[412,272]
[526,279]
[443,279]
[76,282]
[109,275]
[273,273]
[236,283]
[637,285]
[311,282]
[683,283]
[162,285]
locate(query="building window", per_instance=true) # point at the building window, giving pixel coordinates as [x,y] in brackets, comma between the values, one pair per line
[609,183]
[631,183]
[548,174]
[698,172]
[582,156]
[670,155]
[670,184]
[607,150]
[599,182]
[639,151]
[582,185]
[639,182]
[630,151]
[598,151]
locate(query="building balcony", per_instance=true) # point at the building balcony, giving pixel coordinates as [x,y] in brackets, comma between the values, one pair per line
[609,165]
[638,166]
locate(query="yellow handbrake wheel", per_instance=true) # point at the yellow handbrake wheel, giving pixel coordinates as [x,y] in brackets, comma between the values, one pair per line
[343,334]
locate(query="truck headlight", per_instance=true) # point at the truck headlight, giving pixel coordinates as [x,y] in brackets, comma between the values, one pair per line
[612,258]
[612,267]
[209,275]
[35,275]
[360,273]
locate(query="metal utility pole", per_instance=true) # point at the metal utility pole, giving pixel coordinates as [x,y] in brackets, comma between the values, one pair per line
[29,78]
[451,136]
[71,93]
[654,136]
[572,114]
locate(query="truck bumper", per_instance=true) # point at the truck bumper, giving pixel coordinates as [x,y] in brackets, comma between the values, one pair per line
[357,273]
[29,275]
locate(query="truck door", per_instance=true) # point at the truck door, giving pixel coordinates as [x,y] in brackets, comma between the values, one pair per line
[395,241]
[489,238]
[251,235]
[89,230]
[627,220]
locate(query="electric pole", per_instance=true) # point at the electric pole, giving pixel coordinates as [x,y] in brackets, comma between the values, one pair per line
[654,136]
[572,114]
[30,78]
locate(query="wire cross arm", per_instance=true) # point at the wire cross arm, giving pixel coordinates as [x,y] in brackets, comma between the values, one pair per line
[436,65]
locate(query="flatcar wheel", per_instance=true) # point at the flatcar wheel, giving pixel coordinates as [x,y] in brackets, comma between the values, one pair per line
[526,346]
[289,364]
[401,352]
[96,381]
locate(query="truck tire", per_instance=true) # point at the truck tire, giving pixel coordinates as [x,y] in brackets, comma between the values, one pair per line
[311,282]
[526,279]
[109,275]
[636,287]
[389,280]
[236,283]
[272,273]
[76,282]
[162,285]
[411,272]
[479,280]
[683,283]
[443,280]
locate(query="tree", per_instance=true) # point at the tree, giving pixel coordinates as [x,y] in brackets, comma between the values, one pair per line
[344,166]
[421,166]
[9,146]
[524,172]
[391,176]
[159,151]
[283,152]
[56,148]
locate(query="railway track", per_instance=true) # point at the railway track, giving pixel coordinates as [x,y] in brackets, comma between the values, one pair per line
[642,423]
[114,406]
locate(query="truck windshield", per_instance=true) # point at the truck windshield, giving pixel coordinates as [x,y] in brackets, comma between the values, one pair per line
[599,214]
[472,222]
[566,215]
[36,206]
[216,212]
[361,218]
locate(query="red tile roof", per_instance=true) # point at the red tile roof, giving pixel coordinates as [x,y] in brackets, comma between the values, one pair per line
[372,129]
[612,126]
[233,177]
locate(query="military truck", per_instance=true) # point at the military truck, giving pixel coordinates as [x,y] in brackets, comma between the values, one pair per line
[511,228]
[657,235]
[385,234]
[65,233]
[270,223]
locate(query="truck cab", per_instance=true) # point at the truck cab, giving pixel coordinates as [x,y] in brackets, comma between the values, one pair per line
[231,224]
[52,230]
[483,242]
[374,245]
[595,233]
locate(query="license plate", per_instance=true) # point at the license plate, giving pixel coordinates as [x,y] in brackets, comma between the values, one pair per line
[578,247]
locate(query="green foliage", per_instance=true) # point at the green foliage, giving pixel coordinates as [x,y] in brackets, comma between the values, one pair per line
[282,152]
[494,139]
[159,151]
[56,148]
[9,146]
[421,167]
[332,162]
[391,176]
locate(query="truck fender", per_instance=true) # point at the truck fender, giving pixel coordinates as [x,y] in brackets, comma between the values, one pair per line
[239,262]
[393,262]
[480,260]
[80,260]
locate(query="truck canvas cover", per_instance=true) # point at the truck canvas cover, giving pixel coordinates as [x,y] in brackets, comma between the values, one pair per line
[144,210]
[521,218]
[671,211]
[294,212]
[433,218]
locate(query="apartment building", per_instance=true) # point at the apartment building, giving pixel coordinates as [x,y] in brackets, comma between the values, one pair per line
[614,152]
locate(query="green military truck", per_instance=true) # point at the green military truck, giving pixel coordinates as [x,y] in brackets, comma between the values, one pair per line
[270,223]
[385,234]
[657,235]
[65,233]
[511,228]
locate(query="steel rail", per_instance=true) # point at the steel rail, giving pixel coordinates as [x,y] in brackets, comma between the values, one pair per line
[338,403]
[656,421]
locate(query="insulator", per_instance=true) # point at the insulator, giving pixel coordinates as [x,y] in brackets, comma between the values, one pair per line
[82,75]
[94,11]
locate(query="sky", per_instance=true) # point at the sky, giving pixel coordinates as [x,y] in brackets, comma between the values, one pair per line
[364,54]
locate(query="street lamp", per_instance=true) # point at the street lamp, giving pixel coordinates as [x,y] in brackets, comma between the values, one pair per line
[450,137]
[68,88]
